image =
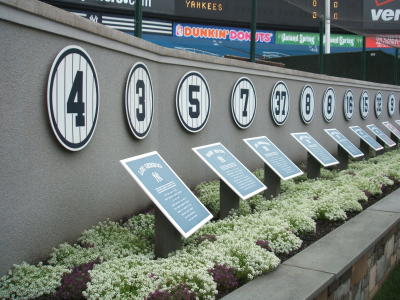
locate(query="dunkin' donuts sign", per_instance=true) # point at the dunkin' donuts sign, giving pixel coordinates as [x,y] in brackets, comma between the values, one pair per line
[220,33]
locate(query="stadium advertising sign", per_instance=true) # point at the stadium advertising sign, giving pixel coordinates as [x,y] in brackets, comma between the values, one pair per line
[383,41]
[382,14]
[312,39]
[221,33]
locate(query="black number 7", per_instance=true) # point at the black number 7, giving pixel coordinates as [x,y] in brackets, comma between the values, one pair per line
[244,92]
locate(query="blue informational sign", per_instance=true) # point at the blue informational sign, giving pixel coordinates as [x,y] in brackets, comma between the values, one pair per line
[381,135]
[366,138]
[168,192]
[392,129]
[315,149]
[230,170]
[344,142]
[273,157]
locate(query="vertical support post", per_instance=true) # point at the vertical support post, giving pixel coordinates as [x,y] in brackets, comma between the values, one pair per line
[394,138]
[272,181]
[383,144]
[343,158]
[364,60]
[396,67]
[364,147]
[167,239]
[327,26]
[313,167]
[138,18]
[321,47]
[253,30]
[228,199]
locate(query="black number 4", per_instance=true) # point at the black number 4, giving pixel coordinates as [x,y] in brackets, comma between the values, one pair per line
[77,107]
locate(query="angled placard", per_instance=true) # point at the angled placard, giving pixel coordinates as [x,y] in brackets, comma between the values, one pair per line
[315,149]
[381,135]
[362,134]
[168,192]
[398,122]
[344,142]
[392,129]
[223,163]
[273,157]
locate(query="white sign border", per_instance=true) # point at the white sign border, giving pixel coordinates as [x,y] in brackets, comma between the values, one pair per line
[380,137]
[365,141]
[195,149]
[351,154]
[387,122]
[324,165]
[268,163]
[125,162]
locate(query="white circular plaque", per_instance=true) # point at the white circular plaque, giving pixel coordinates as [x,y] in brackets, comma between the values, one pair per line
[73,97]
[328,104]
[243,103]
[280,103]
[364,104]
[391,104]
[139,100]
[307,104]
[348,105]
[378,104]
[193,101]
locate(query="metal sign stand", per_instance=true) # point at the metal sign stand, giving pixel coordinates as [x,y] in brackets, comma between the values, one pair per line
[364,147]
[313,167]
[384,147]
[395,139]
[167,239]
[343,158]
[273,181]
[228,199]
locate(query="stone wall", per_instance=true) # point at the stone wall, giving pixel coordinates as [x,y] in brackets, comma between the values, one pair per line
[367,275]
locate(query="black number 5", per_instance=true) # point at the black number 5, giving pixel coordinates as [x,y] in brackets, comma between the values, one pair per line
[194,111]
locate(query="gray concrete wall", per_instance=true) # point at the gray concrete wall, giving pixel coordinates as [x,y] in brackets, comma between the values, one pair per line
[49,195]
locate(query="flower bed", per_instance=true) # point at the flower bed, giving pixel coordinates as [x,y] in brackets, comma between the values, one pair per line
[115,259]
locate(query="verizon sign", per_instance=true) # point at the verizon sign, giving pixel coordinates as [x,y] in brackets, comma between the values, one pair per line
[382,15]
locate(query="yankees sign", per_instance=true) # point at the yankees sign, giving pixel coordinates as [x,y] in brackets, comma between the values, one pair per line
[73,98]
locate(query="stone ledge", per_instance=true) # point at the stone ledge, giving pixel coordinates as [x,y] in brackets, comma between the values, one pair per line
[310,272]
